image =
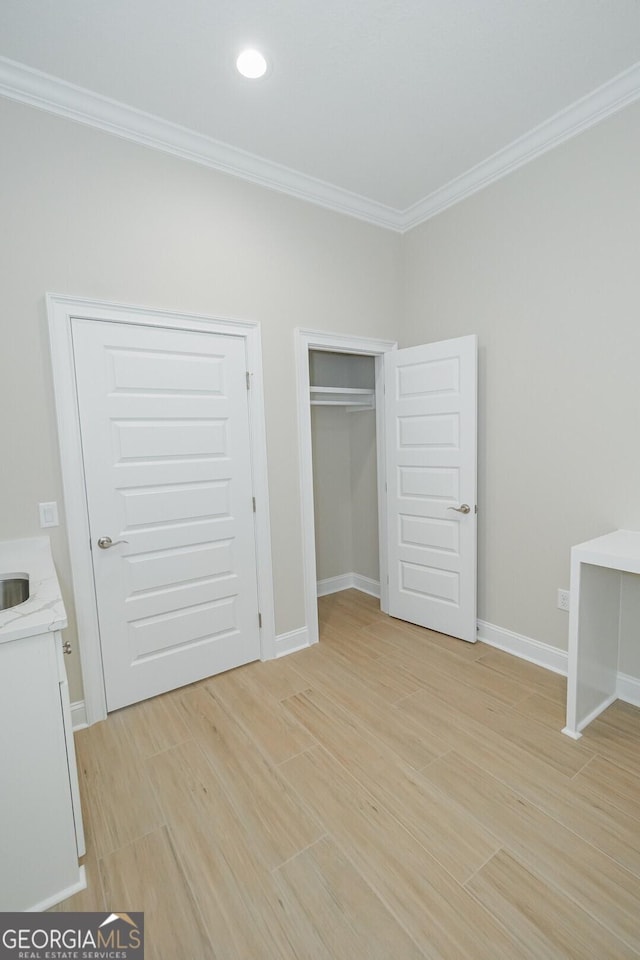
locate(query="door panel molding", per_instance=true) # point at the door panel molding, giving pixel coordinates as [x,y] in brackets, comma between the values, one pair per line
[60,311]
[306,340]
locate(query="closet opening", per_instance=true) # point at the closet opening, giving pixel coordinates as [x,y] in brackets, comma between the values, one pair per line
[426,476]
[345,484]
[342,468]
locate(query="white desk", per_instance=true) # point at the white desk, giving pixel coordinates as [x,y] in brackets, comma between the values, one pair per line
[594,623]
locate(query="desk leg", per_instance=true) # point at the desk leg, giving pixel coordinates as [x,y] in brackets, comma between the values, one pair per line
[571,728]
[594,620]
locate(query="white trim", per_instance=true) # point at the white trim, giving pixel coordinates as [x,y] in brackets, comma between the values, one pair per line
[348,581]
[344,343]
[601,103]
[41,90]
[61,894]
[305,453]
[306,340]
[291,642]
[334,584]
[556,660]
[571,733]
[78,715]
[576,734]
[60,310]
[259,467]
[381,469]
[628,689]
[366,585]
[552,658]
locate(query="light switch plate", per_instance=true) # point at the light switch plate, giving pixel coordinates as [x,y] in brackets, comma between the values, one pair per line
[49,514]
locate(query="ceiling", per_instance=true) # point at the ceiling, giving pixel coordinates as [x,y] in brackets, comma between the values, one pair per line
[387,110]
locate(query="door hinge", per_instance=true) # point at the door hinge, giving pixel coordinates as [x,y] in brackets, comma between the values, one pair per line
[248,380]
[253,501]
[260,621]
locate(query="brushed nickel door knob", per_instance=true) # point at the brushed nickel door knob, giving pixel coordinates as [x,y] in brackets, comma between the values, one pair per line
[105,542]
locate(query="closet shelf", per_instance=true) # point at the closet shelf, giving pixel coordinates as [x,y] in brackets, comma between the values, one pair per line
[353,398]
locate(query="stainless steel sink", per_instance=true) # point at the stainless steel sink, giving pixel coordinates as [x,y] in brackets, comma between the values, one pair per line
[14,589]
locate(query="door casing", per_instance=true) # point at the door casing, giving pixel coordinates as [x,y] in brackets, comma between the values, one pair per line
[307,340]
[60,311]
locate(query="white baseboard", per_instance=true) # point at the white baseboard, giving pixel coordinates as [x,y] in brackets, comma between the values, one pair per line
[628,689]
[292,641]
[299,639]
[348,581]
[543,654]
[78,715]
[60,896]
[335,584]
[366,585]
[285,643]
[524,647]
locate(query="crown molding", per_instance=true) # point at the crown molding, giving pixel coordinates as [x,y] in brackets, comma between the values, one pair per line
[41,90]
[578,117]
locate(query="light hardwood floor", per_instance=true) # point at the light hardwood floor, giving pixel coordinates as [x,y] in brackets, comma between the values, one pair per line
[388,794]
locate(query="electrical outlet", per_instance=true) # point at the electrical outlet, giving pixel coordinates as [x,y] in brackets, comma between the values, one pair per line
[563,599]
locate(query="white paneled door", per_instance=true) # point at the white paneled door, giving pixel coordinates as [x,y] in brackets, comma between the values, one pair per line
[430,424]
[166,447]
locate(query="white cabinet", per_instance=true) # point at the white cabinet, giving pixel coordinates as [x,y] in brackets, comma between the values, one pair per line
[40,822]
[41,835]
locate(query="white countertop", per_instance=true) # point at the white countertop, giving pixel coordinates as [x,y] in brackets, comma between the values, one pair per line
[44,610]
[619,550]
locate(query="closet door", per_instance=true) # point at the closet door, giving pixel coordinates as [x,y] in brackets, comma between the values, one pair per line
[431,465]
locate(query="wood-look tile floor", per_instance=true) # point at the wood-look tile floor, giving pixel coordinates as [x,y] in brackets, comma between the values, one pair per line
[387,794]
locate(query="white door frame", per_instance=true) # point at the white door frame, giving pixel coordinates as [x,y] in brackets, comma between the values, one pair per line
[306,340]
[60,311]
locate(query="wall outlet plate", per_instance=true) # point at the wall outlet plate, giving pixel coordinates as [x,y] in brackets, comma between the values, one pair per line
[563,599]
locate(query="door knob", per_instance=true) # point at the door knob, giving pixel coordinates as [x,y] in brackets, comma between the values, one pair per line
[463,508]
[105,542]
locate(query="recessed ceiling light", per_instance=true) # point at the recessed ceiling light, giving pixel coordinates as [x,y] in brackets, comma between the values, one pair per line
[251,64]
